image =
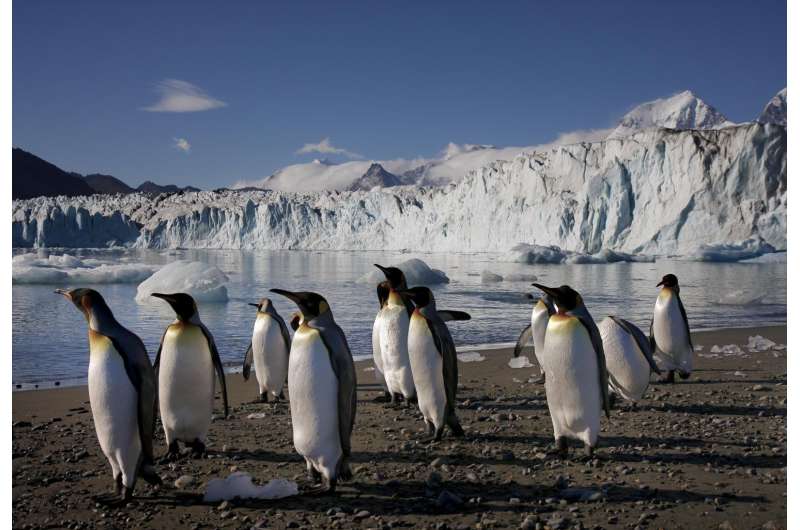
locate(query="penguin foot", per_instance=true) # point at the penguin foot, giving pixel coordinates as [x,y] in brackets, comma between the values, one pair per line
[263,397]
[455,426]
[150,476]
[588,451]
[327,487]
[314,476]
[438,436]
[540,380]
[411,400]
[669,379]
[612,399]
[562,448]
[173,452]
[280,397]
[198,449]
[431,429]
[386,397]
[684,375]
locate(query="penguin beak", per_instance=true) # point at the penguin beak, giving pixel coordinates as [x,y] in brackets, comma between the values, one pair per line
[254,305]
[382,268]
[549,290]
[163,296]
[659,284]
[288,294]
[64,293]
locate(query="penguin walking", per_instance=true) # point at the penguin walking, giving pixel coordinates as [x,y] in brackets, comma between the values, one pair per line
[576,385]
[322,391]
[670,336]
[629,358]
[122,393]
[185,364]
[393,321]
[542,311]
[377,359]
[269,351]
[434,362]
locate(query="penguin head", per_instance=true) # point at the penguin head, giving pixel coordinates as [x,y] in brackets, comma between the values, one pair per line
[397,280]
[421,296]
[183,304]
[262,305]
[565,297]
[86,300]
[669,281]
[311,305]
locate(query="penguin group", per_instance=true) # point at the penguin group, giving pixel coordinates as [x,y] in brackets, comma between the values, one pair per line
[415,362]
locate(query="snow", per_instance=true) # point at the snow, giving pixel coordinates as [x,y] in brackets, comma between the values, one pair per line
[656,193]
[748,249]
[416,271]
[470,357]
[519,362]
[204,282]
[240,485]
[775,111]
[683,110]
[40,268]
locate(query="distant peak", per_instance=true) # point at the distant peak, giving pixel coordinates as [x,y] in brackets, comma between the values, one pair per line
[775,110]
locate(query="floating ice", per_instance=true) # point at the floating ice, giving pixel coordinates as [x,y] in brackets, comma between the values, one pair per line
[240,485]
[748,249]
[415,270]
[204,282]
[741,297]
[608,256]
[520,277]
[524,253]
[759,343]
[519,362]
[490,277]
[33,268]
[470,357]
[774,257]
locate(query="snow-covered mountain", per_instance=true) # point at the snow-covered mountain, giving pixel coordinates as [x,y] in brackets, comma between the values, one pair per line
[376,176]
[683,110]
[658,191]
[775,110]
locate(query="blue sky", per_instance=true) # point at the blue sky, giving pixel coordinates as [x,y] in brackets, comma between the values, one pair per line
[259,80]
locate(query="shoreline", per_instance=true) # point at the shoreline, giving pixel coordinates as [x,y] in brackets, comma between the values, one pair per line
[232,369]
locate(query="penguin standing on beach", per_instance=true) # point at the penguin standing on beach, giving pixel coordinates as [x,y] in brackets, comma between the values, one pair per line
[393,324]
[377,359]
[433,362]
[629,358]
[577,381]
[540,316]
[185,364]
[322,391]
[670,336]
[269,351]
[122,393]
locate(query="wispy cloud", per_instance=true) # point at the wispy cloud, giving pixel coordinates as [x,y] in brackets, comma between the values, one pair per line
[182,96]
[182,144]
[326,147]
[583,135]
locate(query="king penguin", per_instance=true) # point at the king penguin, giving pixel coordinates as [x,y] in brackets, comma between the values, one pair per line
[377,359]
[322,391]
[577,381]
[670,336]
[434,362]
[269,351]
[122,393]
[629,358]
[393,321]
[540,316]
[185,364]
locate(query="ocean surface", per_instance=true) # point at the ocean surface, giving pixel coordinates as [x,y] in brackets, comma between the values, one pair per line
[50,342]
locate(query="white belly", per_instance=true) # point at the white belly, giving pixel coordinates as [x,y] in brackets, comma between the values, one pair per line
[628,369]
[572,383]
[377,359]
[270,357]
[394,350]
[539,319]
[313,400]
[114,403]
[185,384]
[673,350]
[426,366]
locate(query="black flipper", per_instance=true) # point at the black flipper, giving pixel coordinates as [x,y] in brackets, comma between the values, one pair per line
[450,315]
[248,362]
[597,343]
[212,346]
[641,341]
[524,338]
[685,320]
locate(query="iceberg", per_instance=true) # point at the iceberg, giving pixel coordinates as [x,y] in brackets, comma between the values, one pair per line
[240,485]
[206,283]
[748,249]
[33,268]
[416,271]
[490,277]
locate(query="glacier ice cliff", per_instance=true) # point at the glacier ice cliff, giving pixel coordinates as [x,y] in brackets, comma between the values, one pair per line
[658,192]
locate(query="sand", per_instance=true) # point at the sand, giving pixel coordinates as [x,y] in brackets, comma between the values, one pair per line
[709,452]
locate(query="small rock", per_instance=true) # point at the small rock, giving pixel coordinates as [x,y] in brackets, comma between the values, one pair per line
[361,514]
[184,481]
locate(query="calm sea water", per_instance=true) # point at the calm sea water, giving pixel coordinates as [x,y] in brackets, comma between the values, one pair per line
[49,334]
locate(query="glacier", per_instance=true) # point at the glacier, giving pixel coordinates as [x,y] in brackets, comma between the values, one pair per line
[657,191]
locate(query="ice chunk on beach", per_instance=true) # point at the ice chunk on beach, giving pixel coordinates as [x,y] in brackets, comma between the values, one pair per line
[416,271]
[240,485]
[519,362]
[206,283]
[490,277]
[728,349]
[67,270]
[470,357]
[759,343]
